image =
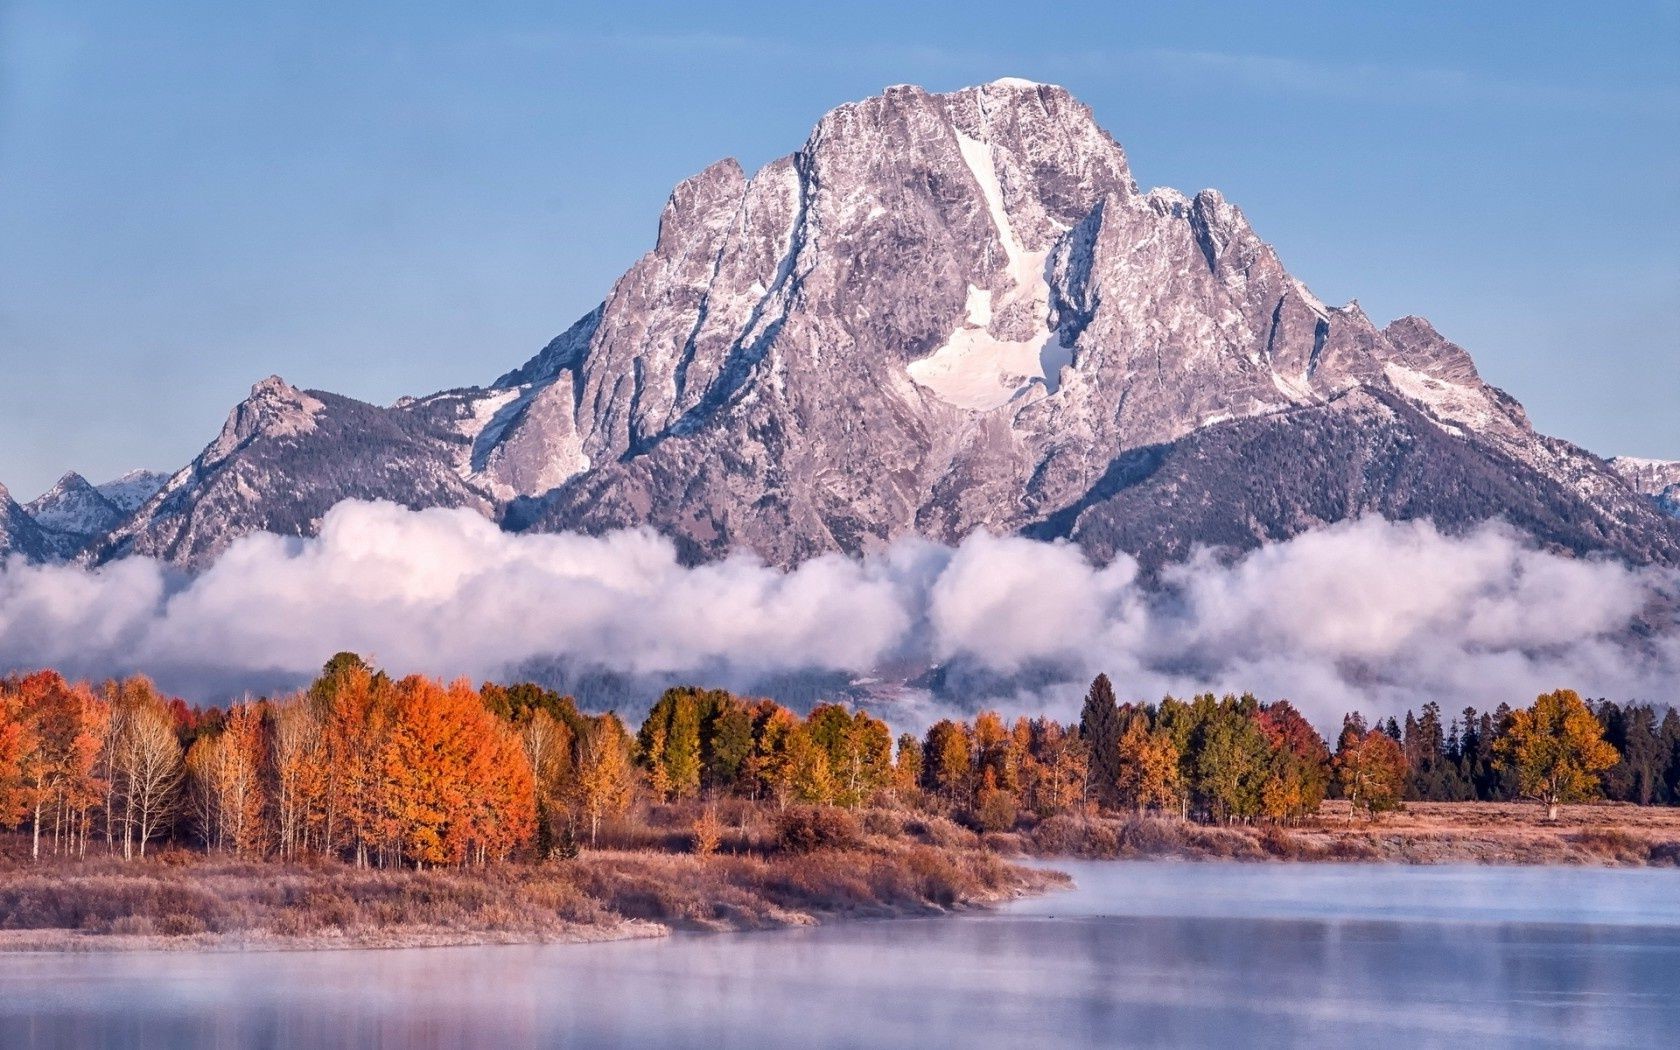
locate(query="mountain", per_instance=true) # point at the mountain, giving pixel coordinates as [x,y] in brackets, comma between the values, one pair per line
[19,535]
[944,312]
[285,456]
[131,490]
[73,513]
[1656,478]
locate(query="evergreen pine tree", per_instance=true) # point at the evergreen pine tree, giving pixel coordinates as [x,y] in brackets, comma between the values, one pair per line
[1099,727]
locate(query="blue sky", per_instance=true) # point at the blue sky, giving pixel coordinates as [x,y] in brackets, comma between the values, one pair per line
[406,197]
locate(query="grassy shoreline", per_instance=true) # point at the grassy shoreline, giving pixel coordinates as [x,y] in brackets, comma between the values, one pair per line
[193,902]
[1496,833]
[900,864]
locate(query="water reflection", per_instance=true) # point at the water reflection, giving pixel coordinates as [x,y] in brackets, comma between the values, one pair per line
[1139,955]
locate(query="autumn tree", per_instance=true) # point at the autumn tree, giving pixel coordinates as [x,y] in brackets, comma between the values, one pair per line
[1371,769]
[501,812]
[813,777]
[1148,768]
[948,761]
[17,742]
[773,765]
[240,749]
[148,770]
[726,736]
[297,763]
[604,783]
[454,782]
[996,753]
[1060,755]
[548,745]
[1232,762]
[996,808]
[668,743]
[858,749]
[1556,750]
[907,766]
[1298,777]
[356,708]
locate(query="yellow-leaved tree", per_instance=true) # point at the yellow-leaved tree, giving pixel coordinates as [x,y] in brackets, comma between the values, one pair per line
[1556,750]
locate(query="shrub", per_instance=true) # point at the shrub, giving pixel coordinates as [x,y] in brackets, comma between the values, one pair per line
[806,829]
[1066,835]
[180,925]
[708,832]
[996,810]
[1612,844]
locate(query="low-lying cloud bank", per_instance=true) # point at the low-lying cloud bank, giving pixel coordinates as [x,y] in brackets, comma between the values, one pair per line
[1370,615]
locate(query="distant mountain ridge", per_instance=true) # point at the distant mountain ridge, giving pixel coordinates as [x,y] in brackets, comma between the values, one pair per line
[1657,478]
[945,312]
[67,518]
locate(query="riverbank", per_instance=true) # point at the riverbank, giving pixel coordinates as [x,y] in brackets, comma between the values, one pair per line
[1421,833]
[193,902]
[884,864]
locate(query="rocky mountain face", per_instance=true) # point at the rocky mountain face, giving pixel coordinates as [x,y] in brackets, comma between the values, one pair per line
[67,518]
[285,456]
[1657,479]
[73,513]
[944,312]
[128,492]
[19,535]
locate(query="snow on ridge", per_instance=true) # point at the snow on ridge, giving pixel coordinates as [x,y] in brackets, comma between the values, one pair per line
[1313,302]
[132,489]
[1642,462]
[1447,402]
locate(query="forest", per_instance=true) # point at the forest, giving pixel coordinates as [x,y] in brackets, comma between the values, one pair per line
[382,772]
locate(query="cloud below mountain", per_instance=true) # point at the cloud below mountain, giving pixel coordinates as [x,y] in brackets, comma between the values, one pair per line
[1368,614]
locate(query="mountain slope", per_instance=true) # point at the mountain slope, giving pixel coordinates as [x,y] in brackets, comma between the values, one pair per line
[19,535]
[1654,478]
[130,491]
[73,513]
[285,456]
[943,313]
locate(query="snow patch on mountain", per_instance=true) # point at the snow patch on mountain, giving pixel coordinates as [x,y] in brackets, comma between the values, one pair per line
[975,369]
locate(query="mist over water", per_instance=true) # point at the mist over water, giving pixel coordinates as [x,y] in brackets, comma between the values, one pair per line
[1141,954]
[1367,614]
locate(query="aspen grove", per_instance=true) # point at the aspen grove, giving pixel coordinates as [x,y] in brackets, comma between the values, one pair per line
[413,772]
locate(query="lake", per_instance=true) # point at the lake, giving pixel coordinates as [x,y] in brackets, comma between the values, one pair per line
[1139,954]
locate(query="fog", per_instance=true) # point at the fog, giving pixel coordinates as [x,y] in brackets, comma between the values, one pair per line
[1370,614]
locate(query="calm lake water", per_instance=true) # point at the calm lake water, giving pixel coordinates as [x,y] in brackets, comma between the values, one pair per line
[1140,954]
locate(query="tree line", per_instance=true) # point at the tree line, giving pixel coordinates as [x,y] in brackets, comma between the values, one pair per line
[1456,759]
[387,772]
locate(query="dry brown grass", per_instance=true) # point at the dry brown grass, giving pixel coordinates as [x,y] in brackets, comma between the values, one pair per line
[770,869]
[1422,833]
[1511,833]
[756,880]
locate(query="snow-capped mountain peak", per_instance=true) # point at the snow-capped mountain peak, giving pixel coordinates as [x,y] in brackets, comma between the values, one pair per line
[942,313]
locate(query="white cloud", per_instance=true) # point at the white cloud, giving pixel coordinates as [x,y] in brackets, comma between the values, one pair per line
[1370,615]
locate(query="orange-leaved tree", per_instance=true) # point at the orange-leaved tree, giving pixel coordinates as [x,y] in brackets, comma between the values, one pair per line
[1371,769]
[455,783]
[1148,764]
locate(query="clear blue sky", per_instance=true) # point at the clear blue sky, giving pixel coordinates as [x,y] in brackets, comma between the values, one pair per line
[404,197]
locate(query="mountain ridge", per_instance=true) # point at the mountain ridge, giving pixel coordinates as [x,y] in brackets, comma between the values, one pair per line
[944,312]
